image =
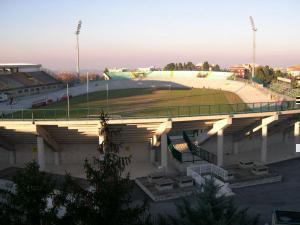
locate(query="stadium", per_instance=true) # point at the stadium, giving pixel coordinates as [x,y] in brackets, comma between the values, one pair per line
[176,119]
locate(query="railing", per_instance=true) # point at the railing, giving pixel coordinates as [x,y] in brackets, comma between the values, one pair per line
[209,169]
[198,151]
[175,153]
[158,112]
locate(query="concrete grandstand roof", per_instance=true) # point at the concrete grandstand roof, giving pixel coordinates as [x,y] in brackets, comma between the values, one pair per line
[16,65]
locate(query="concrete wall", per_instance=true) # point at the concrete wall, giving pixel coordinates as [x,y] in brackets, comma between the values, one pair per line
[171,75]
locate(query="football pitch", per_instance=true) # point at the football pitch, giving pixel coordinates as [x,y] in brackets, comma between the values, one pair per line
[147,102]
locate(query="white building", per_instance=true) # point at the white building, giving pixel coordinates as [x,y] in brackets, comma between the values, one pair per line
[146,69]
[294,71]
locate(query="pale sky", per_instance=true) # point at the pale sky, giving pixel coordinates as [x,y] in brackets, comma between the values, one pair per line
[141,33]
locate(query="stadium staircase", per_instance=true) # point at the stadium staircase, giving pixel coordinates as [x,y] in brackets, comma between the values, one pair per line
[198,151]
[184,151]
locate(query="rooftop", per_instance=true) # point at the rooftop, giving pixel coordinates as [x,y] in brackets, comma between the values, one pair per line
[11,65]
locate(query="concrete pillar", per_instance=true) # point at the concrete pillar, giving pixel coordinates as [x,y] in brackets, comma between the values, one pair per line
[154,140]
[152,155]
[220,147]
[56,158]
[235,147]
[297,134]
[264,143]
[12,157]
[41,152]
[164,152]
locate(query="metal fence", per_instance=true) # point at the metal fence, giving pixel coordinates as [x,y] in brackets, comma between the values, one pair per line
[171,111]
[198,151]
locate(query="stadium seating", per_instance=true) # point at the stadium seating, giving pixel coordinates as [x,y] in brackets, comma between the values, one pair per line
[285,89]
[17,84]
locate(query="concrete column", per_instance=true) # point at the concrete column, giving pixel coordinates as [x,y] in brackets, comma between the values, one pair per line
[297,134]
[41,152]
[56,158]
[152,155]
[264,143]
[164,152]
[220,148]
[12,157]
[235,147]
[154,140]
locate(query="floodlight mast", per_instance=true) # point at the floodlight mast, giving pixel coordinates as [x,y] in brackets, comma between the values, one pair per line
[77,47]
[254,29]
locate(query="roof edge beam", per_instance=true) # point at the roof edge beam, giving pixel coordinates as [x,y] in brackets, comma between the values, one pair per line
[41,131]
[164,128]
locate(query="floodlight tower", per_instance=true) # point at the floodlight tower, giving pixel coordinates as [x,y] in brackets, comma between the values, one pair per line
[77,41]
[254,29]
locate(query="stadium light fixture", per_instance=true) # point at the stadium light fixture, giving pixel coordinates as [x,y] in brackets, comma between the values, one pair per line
[77,47]
[254,29]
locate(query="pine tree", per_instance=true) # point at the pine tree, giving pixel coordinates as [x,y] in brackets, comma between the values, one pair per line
[106,71]
[205,66]
[211,209]
[26,202]
[108,200]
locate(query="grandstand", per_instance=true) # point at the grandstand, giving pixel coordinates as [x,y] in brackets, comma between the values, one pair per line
[25,79]
[285,89]
[265,131]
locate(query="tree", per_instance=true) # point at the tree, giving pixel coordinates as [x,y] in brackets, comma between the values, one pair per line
[108,200]
[170,67]
[27,201]
[216,68]
[106,71]
[211,209]
[66,77]
[205,66]
[180,66]
[265,74]
[190,66]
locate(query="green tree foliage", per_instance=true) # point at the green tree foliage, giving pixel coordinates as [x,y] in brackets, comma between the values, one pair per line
[106,71]
[266,74]
[190,66]
[216,68]
[179,66]
[26,202]
[211,209]
[170,67]
[205,66]
[108,200]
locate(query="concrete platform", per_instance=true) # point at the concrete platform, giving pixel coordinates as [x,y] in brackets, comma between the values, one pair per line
[176,192]
[244,177]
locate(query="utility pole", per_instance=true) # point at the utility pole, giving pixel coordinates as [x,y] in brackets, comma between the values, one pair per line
[107,96]
[254,29]
[68,101]
[87,92]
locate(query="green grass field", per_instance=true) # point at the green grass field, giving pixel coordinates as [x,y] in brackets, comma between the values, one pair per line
[145,102]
